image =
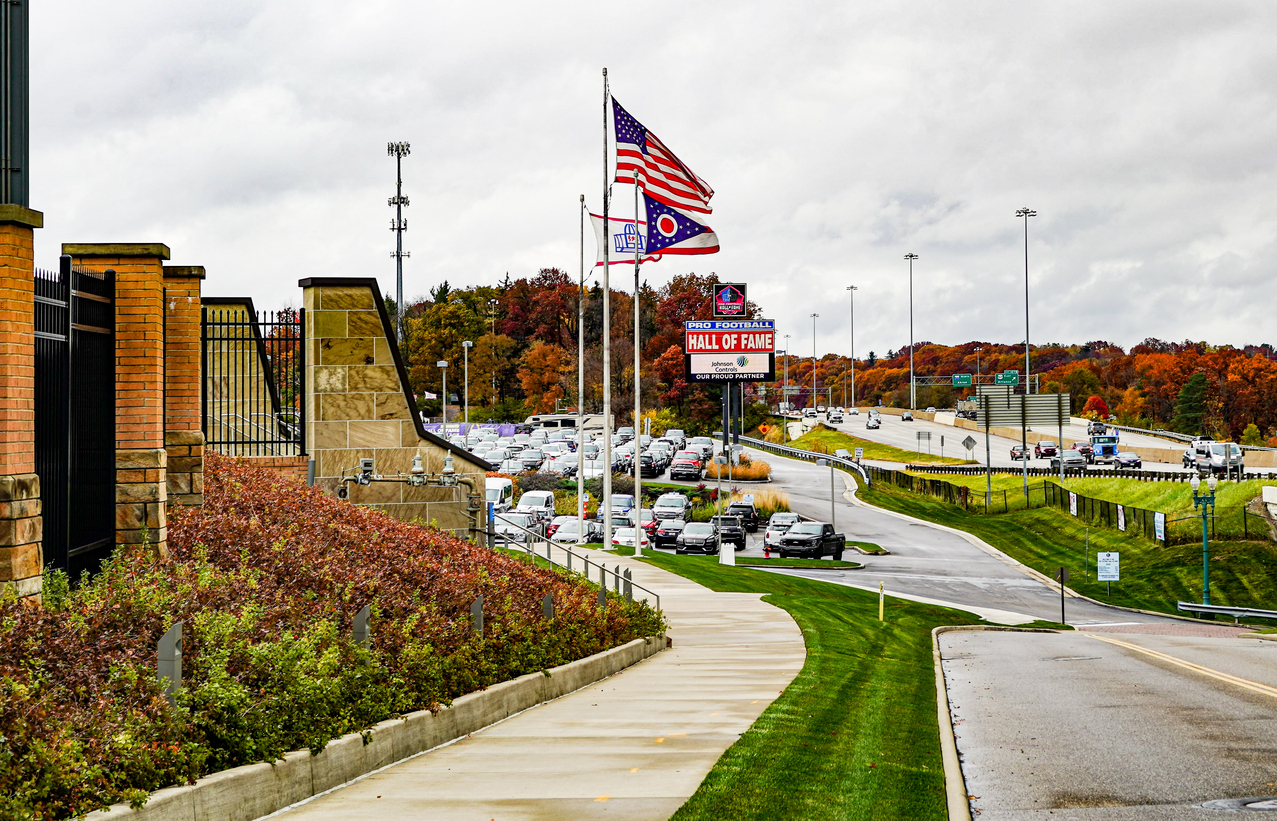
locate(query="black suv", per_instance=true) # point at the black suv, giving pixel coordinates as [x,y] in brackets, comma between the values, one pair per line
[733,532]
[748,514]
[667,530]
[649,467]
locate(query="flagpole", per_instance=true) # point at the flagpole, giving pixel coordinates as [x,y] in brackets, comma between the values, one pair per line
[638,387]
[607,340]
[580,389]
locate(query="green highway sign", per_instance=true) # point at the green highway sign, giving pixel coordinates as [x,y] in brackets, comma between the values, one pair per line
[962,380]
[1008,378]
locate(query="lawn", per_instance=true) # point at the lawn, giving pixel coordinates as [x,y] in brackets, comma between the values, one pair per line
[854,736]
[1153,577]
[822,439]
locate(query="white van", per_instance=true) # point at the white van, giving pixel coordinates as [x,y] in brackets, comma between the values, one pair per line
[500,492]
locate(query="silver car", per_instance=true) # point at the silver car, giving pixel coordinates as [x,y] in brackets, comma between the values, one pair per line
[1073,460]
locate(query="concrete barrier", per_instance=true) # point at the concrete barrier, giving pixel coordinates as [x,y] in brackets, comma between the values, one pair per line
[254,790]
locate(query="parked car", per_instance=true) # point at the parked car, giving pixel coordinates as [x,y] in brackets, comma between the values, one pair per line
[777,526]
[812,540]
[678,437]
[593,469]
[1127,460]
[532,459]
[648,467]
[567,533]
[1072,461]
[556,523]
[666,532]
[626,537]
[685,466]
[499,491]
[907,416]
[1019,453]
[698,537]
[513,527]
[622,504]
[539,503]
[704,444]
[747,513]
[625,434]
[733,532]
[1045,448]
[872,423]
[671,506]
[648,522]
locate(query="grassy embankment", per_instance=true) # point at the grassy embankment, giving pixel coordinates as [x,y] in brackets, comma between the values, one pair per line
[1243,573]
[854,736]
[823,439]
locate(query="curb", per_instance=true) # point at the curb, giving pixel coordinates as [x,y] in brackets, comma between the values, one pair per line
[255,790]
[955,783]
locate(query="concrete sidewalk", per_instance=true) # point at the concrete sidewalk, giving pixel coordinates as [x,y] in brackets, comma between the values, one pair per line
[634,746]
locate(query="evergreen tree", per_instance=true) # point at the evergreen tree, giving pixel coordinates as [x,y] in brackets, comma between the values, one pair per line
[1190,405]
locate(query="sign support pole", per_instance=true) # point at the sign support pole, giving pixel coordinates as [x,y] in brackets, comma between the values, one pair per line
[638,388]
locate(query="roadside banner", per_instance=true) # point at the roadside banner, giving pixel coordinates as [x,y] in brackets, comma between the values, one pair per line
[1072,503]
[1159,526]
[1121,518]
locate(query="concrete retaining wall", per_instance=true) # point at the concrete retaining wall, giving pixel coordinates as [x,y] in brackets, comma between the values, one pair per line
[254,790]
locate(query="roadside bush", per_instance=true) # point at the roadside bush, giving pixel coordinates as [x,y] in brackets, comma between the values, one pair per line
[266,578]
[755,470]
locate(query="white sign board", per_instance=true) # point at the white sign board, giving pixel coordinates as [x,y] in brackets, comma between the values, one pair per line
[748,498]
[1159,526]
[1108,567]
[1072,503]
[1121,518]
[860,452]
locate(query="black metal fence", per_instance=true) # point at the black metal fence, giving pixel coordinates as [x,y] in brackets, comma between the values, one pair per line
[252,393]
[75,414]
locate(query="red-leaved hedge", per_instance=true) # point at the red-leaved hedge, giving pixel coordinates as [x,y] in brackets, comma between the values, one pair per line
[266,578]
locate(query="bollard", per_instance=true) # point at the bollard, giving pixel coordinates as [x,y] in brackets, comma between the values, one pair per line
[547,607]
[492,527]
[476,616]
[361,630]
[629,585]
[169,654]
[880,601]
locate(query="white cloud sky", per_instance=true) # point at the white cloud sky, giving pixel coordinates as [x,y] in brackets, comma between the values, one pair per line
[250,137]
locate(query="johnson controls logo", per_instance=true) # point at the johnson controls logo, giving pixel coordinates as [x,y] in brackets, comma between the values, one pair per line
[742,361]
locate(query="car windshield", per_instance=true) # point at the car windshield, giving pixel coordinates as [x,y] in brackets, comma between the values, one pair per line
[1045,444]
[671,501]
[746,507]
[727,521]
[672,524]
[1072,454]
[782,519]
[521,519]
[699,529]
[624,533]
[806,529]
[621,500]
[689,455]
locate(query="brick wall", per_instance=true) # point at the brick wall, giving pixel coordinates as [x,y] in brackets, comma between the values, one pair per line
[141,462]
[183,436]
[358,406]
[21,560]
[295,468]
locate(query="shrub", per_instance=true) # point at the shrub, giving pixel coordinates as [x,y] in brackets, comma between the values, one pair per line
[266,578]
[747,471]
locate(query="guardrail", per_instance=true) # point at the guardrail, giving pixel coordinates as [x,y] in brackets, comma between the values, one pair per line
[806,455]
[1142,475]
[1237,613]
[623,582]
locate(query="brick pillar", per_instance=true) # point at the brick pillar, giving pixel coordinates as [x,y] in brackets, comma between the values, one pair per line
[183,433]
[141,487]
[21,558]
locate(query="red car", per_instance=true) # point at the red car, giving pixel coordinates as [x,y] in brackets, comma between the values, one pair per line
[1019,452]
[1045,448]
[1084,448]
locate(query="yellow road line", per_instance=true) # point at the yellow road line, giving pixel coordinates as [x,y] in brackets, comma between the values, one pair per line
[1254,686]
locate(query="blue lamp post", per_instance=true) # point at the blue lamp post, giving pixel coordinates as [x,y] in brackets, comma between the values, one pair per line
[1206,503]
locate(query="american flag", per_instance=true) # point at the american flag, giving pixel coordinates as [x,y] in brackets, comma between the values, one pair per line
[662,176]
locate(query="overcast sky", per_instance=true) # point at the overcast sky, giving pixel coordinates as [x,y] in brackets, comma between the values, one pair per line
[250,137]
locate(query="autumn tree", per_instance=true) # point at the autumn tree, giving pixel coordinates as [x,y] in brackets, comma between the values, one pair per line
[1132,405]
[541,373]
[1095,408]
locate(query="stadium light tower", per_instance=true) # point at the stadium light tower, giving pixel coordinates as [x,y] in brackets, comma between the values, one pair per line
[398,224]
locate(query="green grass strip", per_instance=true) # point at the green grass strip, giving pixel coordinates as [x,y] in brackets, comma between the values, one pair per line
[827,440]
[854,736]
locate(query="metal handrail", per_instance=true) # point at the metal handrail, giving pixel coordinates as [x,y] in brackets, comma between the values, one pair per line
[1235,612]
[807,455]
[618,579]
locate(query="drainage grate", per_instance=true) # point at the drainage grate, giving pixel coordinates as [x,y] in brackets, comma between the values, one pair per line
[1268,804]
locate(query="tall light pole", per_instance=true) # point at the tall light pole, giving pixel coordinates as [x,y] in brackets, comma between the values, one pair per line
[977,368]
[398,225]
[813,360]
[784,398]
[580,390]
[492,314]
[1025,213]
[1203,502]
[851,291]
[442,364]
[465,352]
[912,398]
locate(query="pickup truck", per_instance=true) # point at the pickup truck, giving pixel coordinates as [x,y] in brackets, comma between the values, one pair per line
[748,515]
[812,540]
[730,529]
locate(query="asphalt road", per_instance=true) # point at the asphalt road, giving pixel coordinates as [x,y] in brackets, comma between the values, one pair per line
[1075,727]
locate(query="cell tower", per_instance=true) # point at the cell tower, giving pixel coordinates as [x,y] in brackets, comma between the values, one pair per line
[398,224]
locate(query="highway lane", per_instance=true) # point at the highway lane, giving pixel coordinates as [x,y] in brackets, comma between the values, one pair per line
[1076,727]
[927,561]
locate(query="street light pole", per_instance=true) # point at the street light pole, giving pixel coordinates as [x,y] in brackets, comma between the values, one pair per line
[913,400]
[492,313]
[465,351]
[1203,502]
[813,360]
[1025,213]
[851,291]
[977,368]
[784,398]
